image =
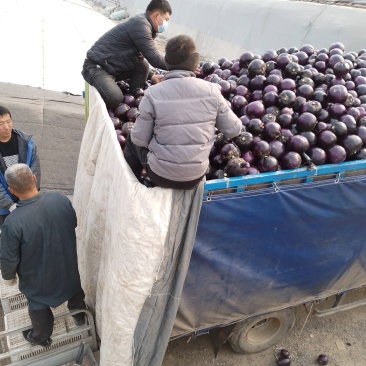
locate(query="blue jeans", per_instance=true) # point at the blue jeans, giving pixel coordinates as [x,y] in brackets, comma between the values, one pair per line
[106,85]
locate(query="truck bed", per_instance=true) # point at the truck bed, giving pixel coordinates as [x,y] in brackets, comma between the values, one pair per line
[275,240]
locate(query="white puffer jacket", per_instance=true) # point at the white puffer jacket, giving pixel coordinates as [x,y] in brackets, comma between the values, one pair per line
[177,124]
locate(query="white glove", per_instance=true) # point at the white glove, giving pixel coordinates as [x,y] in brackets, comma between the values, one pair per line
[11,282]
[12,207]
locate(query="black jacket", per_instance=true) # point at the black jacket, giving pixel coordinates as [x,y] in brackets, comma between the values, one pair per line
[39,244]
[125,45]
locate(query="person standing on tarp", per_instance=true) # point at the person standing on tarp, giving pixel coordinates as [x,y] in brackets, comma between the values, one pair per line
[15,147]
[174,133]
[39,245]
[125,51]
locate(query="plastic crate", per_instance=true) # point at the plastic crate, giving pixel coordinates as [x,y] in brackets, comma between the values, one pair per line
[7,291]
[64,326]
[50,353]
[21,318]
[13,303]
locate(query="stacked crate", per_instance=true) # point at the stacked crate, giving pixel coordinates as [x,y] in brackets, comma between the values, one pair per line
[66,335]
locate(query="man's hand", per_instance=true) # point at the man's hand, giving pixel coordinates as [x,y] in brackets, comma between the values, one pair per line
[155,79]
[12,207]
[11,282]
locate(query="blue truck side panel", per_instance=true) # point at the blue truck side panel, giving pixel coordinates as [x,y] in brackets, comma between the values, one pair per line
[262,250]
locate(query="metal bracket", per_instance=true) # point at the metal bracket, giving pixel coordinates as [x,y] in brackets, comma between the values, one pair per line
[338,308]
[209,196]
[91,356]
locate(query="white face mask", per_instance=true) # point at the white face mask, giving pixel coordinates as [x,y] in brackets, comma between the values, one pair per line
[163,27]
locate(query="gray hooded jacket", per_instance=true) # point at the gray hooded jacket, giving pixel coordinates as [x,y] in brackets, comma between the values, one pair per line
[177,124]
[125,45]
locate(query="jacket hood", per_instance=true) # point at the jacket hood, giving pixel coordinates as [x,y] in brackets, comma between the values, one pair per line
[22,134]
[174,74]
[190,63]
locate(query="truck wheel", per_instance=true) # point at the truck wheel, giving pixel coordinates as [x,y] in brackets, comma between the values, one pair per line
[261,332]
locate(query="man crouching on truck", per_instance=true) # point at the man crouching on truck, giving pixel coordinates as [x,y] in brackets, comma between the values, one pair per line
[174,132]
[125,51]
[39,244]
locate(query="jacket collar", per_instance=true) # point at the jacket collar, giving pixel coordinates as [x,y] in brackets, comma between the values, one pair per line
[35,198]
[178,74]
[153,31]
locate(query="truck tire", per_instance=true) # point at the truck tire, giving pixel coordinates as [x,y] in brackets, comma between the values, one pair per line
[261,332]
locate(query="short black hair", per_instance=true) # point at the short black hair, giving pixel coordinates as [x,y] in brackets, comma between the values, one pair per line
[4,111]
[179,48]
[162,5]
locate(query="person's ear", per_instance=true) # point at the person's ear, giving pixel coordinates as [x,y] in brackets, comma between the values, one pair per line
[34,179]
[11,190]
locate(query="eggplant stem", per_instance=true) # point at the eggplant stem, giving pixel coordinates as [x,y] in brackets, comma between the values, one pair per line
[309,162]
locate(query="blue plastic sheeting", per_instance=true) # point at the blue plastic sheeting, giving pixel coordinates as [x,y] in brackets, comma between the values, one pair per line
[264,250]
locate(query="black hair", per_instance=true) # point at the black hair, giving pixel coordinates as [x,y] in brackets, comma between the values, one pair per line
[4,111]
[179,48]
[162,5]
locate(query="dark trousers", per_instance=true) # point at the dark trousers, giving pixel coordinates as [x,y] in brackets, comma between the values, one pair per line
[136,157]
[2,219]
[106,85]
[42,319]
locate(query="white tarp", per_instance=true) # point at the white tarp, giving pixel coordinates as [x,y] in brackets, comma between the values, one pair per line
[227,28]
[122,227]
[134,247]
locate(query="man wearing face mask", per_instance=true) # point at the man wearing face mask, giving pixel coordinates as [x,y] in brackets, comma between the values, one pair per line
[125,51]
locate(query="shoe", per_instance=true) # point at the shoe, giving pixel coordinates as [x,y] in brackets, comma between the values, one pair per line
[79,319]
[27,334]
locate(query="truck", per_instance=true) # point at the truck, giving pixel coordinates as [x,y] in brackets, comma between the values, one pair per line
[264,244]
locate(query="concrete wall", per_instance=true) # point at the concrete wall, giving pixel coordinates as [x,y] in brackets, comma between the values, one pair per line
[227,28]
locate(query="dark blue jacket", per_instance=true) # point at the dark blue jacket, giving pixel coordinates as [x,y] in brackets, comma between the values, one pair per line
[27,155]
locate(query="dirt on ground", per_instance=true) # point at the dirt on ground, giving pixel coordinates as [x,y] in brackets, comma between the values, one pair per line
[342,337]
